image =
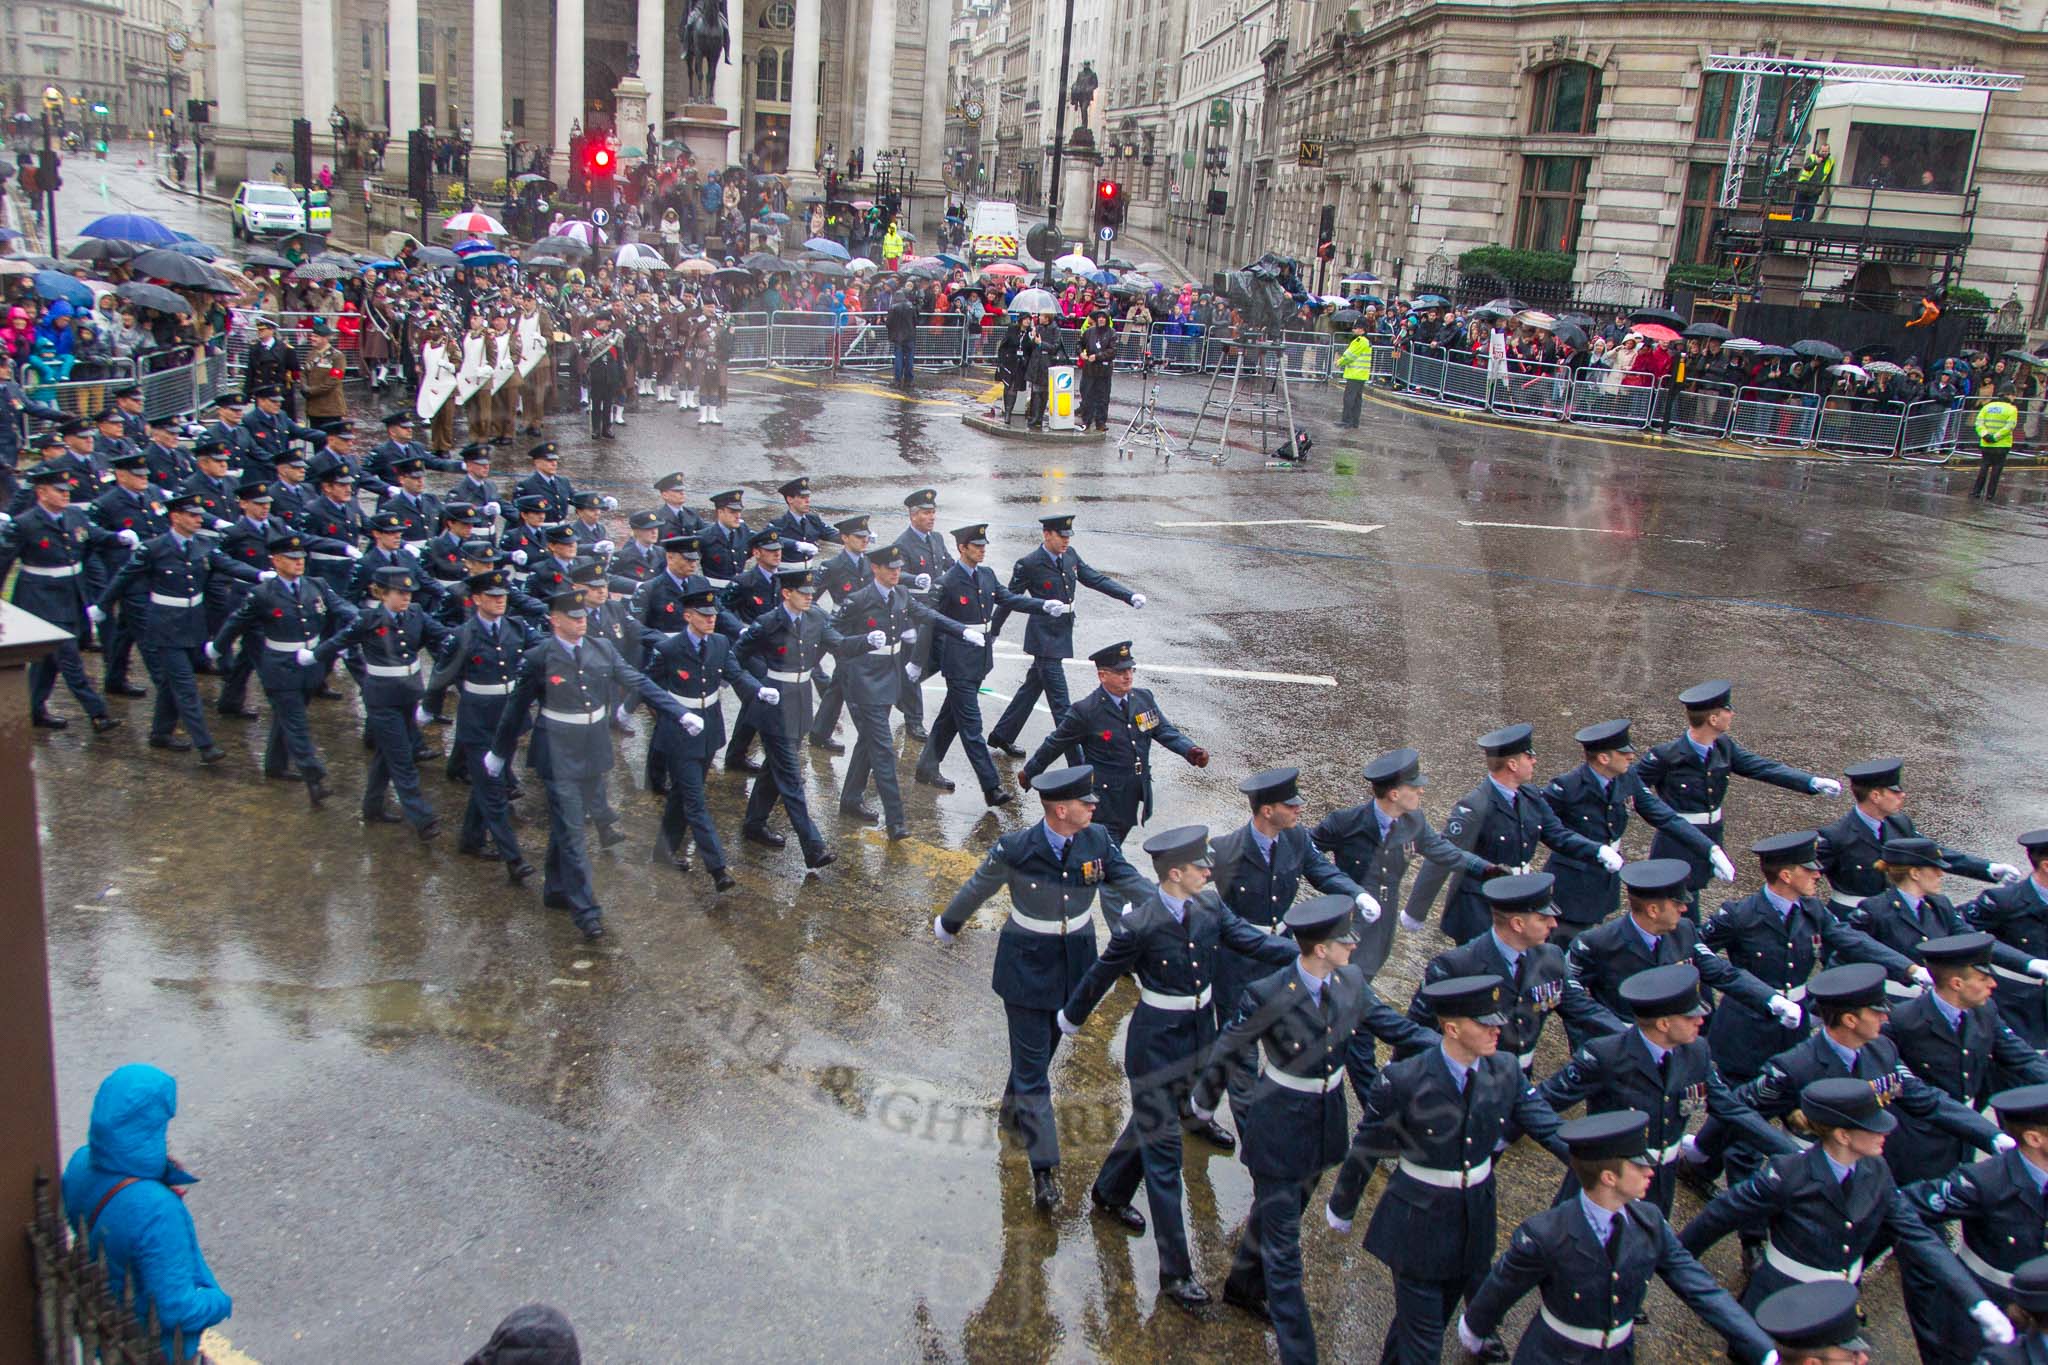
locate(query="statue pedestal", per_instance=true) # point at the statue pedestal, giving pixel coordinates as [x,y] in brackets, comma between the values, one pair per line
[707,132]
[629,102]
[1078,168]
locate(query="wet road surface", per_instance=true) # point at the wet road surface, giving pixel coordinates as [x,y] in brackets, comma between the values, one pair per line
[760,1127]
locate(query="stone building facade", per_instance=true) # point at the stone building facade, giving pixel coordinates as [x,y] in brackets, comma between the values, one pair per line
[76,46]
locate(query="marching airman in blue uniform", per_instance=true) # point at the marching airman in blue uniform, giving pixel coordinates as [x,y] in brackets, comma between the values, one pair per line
[247,542]
[783,649]
[170,463]
[798,523]
[395,640]
[677,517]
[270,431]
[1913,910]
[926,560]
[1056,572]
[840,577]
[752,594]
[640,558]
[2016,913]
[481,662]
[1593,800]
[332,515]
[1170,943]
[50,542]
[692,663]
[1502,820]
[1852,846]
[724,539]
[546,482]
[380,466]
[476,486]
[1052,870]
[132,504]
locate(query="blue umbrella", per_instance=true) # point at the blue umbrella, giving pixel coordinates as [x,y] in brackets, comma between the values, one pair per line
[1103,277]
[950,259]
[478,259]
[382,265]
[470,246]
[52,285]
[825,246]
[193,247]
[130,227]
[776,218]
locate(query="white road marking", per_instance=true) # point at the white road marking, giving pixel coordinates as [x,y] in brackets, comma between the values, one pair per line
[1240,674]
[1590,530]
[1355,527]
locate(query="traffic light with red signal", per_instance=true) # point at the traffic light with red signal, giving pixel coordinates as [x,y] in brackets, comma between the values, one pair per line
[600,168]
[1109,203]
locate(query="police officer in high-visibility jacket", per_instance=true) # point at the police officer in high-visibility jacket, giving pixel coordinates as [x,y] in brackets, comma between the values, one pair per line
[1356,362]
[1995,423]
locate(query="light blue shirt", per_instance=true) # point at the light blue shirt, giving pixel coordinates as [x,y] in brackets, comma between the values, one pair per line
[1314,984]
[1698,748]
[1058,842]
[2040,892]
[1508,955]
[1600,777]
[1507,794]
[1177,908]
[1459,1071]
[1848,1055]
[794,616]
[1841,1172]
[1650,940]
[1952,1013]
[1601,1219]
[1779,903]
[2040,1176]
[1265,844]
[182,542]
[1876,827]
[1912,903]
[1386,821]
[1657,1054]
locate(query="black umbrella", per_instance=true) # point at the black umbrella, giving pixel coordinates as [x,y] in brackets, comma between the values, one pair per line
[436,258]
[1496,309]
[1775,353]
[1570,332]
[2027,358]
[1431,301]
[827,267]
[1344,319]
[104,250]
[1708,331]
[1818,350]
[269,260]
[733,274]
[1508,304]
[766,262]
[1585,320]
[152,296]
[1664,315]
[925,270]
[174,267]
[544,256]
[216,283]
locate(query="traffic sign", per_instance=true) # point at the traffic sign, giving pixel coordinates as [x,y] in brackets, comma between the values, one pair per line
[1219,113]
[1107,234]
[600,216]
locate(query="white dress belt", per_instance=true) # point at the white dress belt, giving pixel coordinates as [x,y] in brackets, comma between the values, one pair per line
[1980,1267]
[1700,817]
[781,675]
[1807,1274]
[1588,1336]
[1795,994]
[2018,978]
[1664,1156]
[1845,900]
[394,670]
[53,570]
[719,582]
[1307,1085]
[484,689]
[287,646]
[1527,1059]
[1898,990]
[1450,1180]
[164,599]
[1159,1000]
[1084,923]
[596,717]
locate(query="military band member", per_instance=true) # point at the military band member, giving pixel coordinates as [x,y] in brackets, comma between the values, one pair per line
[1656,933]
[971,594]
[1592,1258]
[50,542]
[572,687]
[1502,820]
[692,664]
[1309,1025]
[2016,913]
[1170,943]
[1518,951]
[1052,870]
[1662,1067]
[395,639]
[1913,910]
[1053,571]
[783,649]
[1114,728]
[1445,1112]
[482,663]
[1851,848]
[926,560]
[1690,776]
[286,617]
[1372,842]
[1828,1209]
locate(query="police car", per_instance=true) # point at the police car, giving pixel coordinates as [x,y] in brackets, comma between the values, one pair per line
[264,208]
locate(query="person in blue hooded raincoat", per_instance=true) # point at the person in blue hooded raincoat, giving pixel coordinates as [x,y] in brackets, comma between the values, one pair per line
[125,1194]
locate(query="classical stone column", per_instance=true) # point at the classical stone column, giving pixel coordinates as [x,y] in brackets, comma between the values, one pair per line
[881,69]
[652,40]
[231,65]
[317,49]
[568,78]
[402,28]
[803,110]
[487,36]
[728,92]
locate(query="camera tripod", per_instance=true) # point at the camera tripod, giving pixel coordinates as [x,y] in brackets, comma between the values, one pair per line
[1144,429]
[1251,387]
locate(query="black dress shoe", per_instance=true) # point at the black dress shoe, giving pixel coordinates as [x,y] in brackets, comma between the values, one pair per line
[917,732]
[102,724]
[593,930]
[1045,1191]
[1210,1132]
[518,872]
[316,793]
[1001,796]
[554,900]
[722,879]
[328,694]
[1012,750]
[238,712]
[1693,1175]
[609,836]
[212,755]
[1132,1221]
[44,721]
[829,745]
[767,838]
[744,765]
[821,858]
[1492,1351]
[1237,1298]
[1188,1293]
[177,744]
[898,833]
[126,689]
[944,784]
[857,810]
[480,851]
[381,817]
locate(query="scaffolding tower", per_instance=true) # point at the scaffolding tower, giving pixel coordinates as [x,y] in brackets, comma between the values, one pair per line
[1250,387]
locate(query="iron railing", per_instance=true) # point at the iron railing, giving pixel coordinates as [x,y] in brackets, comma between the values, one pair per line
[80,1319]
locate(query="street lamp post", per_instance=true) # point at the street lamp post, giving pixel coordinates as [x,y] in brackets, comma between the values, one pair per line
[53,103]
[338,122]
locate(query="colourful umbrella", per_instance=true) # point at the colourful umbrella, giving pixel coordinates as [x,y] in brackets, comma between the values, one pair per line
[473,221]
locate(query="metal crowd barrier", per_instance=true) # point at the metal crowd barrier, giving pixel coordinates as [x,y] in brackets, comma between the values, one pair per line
[168,391]
[1855,431]
[1534,391]
[77,397]
[752,340]
[1310,355]
[1624,405]
[296,330]
[806,340]
[1704,407]
[1929,431]
[941,341]
[1774,417]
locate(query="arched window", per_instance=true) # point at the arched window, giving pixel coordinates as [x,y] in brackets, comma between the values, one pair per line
[1566,99]
[773,75]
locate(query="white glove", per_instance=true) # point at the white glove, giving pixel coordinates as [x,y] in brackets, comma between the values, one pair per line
[128,538]
[303,656]
[924,582]
[352,551]
[490,509]
[1469,1339]
[220,524]
[877,640]
[2006,872]
[1689,1150]
[907,636]
[1065,1026]
[693,724]
[1826,786]
[608,503]
[974,637]
[1137,601]
[1787,1010]
[1770,1358]
[771,695]
[1199,1112]
[1336,1224]
[939,928]
[420,716]
[494,765]
[1411,924]
[1056,609]
[266,575]
[805,548]
[603,547]
[1997,1327]
[391,490]
[1368,908]
[1610,858]
[212,654]
[519,558]
[94,614]
[2002,1143]
[5,521]
[1922,976]
[1723,869]
[912,672]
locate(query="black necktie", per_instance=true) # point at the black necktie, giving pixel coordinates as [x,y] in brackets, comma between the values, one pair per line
[1614,1239]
